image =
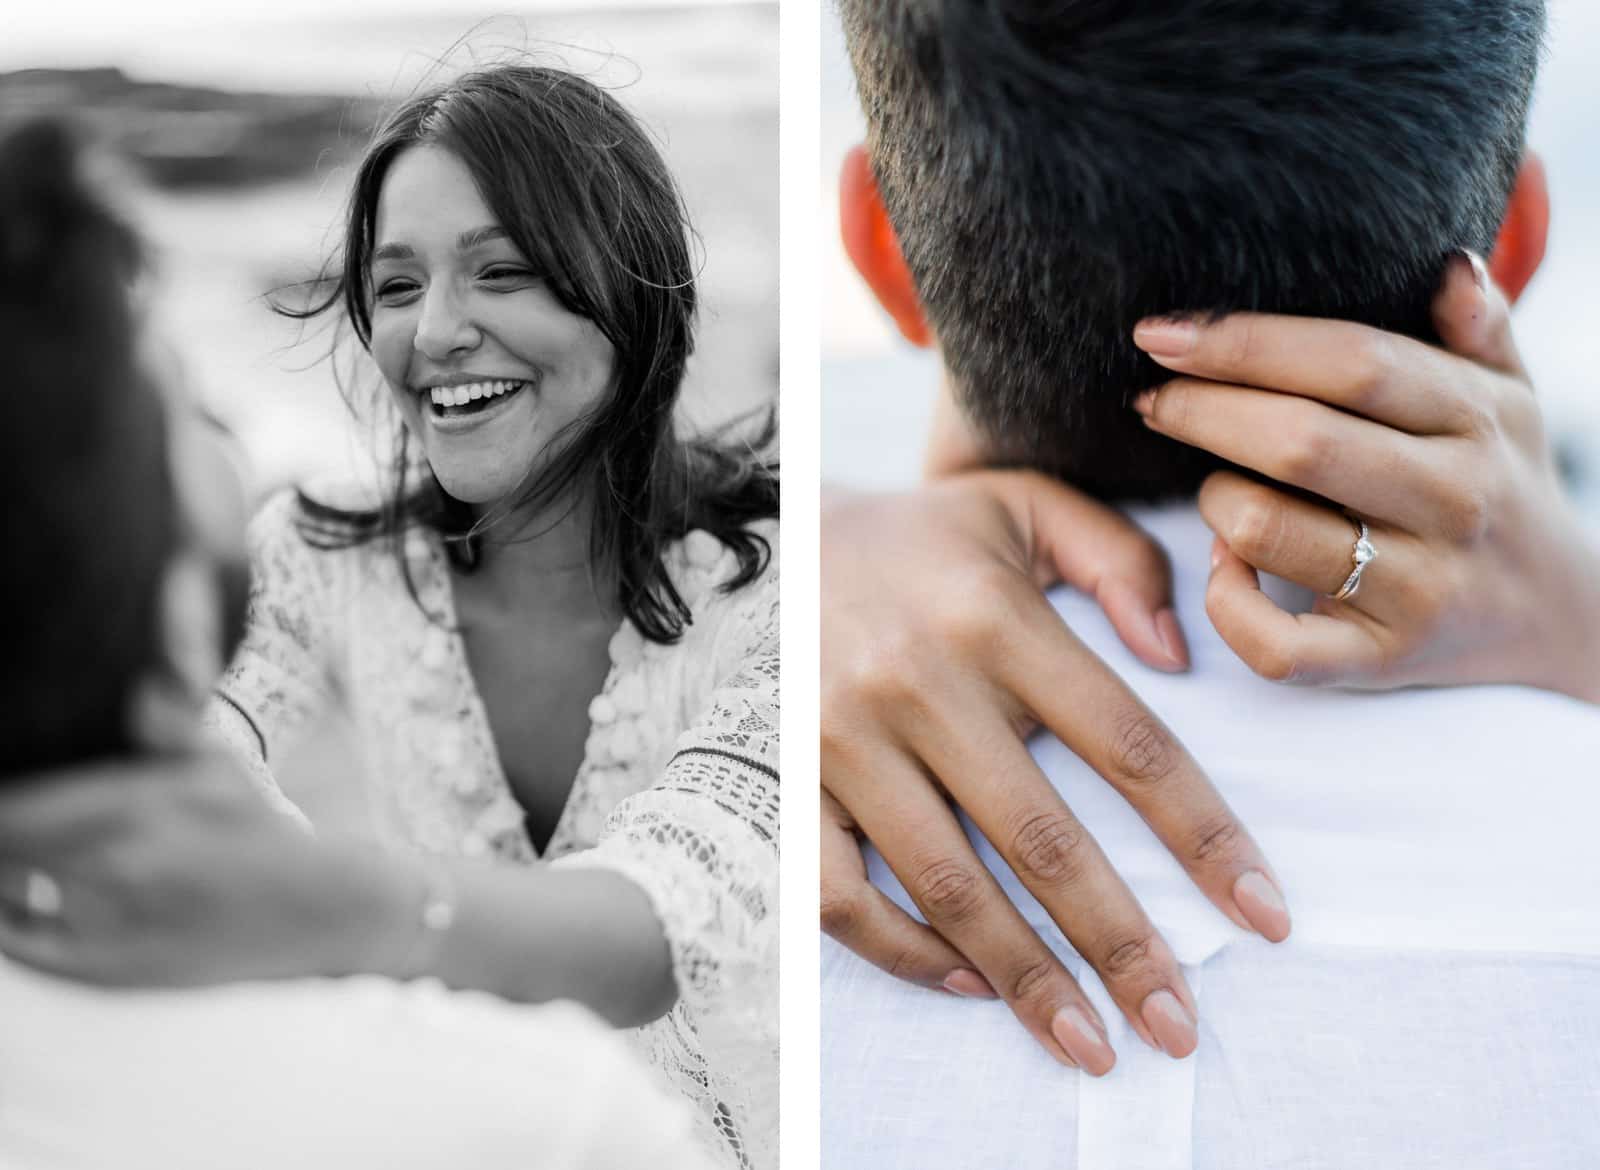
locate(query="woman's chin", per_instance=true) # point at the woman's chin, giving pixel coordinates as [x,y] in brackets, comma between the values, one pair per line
[471,486]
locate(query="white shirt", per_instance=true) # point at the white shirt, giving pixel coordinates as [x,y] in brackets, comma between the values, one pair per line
[1437,1005]
[321,1075]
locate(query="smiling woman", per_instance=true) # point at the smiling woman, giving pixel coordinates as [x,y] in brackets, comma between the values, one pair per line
[460,319]
[556,634]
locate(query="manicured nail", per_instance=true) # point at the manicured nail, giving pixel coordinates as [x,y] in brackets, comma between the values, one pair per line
[1165,337]
[1171,635]
[1145,403]
[1262,905]
[1170,1023]
[969,983]
[1480,270]
[1084,1042]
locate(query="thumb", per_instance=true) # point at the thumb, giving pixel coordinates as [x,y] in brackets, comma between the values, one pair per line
[1099,551]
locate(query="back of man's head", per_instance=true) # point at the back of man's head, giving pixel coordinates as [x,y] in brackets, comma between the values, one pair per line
[90,521]
[1056,172]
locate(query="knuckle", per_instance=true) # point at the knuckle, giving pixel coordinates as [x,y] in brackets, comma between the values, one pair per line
[1465,514]
[1371,359]
[1257,531]
[1242,342]
[883,672]
[1142,751]
[904,965]
[1173,405]
[1275,663]
[975,610]
[842,912]
[949,892]
[1121,956]
[1304,454]
[1139,559]
[1215,840]
[1029,979]
[1048,848]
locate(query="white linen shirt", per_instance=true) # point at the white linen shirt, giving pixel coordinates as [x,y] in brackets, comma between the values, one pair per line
[351,1074]
[1438,1004]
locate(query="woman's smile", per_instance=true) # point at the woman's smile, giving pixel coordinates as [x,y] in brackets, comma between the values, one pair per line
[487,365]
[455,407]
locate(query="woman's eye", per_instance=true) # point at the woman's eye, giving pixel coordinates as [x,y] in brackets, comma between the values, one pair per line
[505,276]
[394,292]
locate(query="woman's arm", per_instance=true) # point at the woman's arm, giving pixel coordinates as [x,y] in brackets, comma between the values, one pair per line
[172,872]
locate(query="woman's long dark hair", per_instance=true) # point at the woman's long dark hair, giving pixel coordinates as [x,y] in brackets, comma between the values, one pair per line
[584,195]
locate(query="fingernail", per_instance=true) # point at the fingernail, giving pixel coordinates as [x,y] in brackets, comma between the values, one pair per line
[962,981]
[1480,270]
[1145,402]
[1084,1042]
[1170,1023]
[1262,905]
[1165,336]
[1171,635]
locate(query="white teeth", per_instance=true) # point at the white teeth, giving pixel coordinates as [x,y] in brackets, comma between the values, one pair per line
[461,395]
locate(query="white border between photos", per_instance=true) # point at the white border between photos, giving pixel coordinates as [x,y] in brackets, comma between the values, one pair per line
[800,396]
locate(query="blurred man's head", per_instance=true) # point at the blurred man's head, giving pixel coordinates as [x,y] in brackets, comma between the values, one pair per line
[101,541]
[1054,173]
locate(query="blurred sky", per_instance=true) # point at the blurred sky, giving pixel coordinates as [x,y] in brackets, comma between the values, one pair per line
[877,390]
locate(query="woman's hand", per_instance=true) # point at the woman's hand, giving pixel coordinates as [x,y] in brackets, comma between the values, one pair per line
[174,872]
[939,653]
[1483,573]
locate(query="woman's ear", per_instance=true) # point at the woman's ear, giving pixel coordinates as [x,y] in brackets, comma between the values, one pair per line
[869,240]
[1524,231]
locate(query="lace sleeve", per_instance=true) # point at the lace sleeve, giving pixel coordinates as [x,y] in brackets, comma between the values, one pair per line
[280,677]
[702,843]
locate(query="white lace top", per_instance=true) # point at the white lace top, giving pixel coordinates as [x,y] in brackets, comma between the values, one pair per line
[678,789]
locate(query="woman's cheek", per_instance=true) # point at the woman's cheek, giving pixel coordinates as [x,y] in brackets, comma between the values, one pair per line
[391,350]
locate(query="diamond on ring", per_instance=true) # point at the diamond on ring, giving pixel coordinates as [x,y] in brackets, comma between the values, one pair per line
[1361,556]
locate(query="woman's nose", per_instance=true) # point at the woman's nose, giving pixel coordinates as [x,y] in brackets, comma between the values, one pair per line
[444,327]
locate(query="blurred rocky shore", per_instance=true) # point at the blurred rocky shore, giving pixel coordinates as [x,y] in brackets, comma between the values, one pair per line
[193,137]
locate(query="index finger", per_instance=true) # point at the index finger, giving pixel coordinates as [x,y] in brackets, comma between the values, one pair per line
[1382,376]
[1096,714]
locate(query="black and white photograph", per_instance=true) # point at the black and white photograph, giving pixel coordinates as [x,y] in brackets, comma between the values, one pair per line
[390,772]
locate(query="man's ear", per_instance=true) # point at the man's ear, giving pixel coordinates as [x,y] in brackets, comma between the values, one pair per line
[870,242]
[1524,232]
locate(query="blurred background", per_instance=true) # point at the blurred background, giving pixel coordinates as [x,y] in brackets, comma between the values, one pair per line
[877,391]
[246,120]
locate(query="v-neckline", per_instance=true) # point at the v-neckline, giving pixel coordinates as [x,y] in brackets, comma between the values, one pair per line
[506,809]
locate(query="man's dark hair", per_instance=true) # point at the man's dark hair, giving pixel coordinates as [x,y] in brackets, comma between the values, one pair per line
[1055,172]
[90,519]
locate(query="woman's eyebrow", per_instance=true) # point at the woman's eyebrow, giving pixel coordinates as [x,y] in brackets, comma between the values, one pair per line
[465,242]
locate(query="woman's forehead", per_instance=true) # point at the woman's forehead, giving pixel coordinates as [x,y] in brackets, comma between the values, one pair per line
[429,196]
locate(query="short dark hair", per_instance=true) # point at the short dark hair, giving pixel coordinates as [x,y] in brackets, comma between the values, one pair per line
[91,520]
[1055,172]
[585,195]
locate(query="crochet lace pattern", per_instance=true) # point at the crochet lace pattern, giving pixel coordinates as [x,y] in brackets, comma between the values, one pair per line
[678,790]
